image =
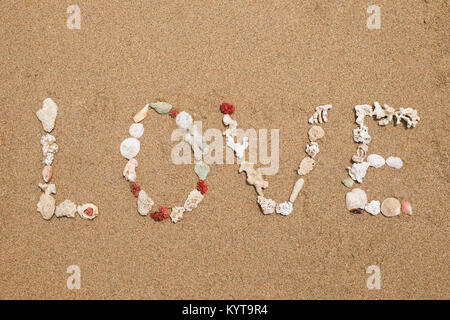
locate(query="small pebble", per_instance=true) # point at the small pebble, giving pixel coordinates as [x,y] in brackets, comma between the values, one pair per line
[136,130]
[394,162]
[390,207]
[406,208]
[348,182]
[202,170]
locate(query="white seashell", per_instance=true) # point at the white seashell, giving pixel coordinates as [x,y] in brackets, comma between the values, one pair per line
[49,159]
[46,204]
[361,135]
[312,149]
[47,114]
[394,162]
[358,171]
[390,207]
[129,172]
[144,203]
[184,120]
[177,214]
[306,166]
[316,133]
[361,153]
[376,160]
[284,208]
[355,200]
[373,207]
[138,117]
[193,200]
[295,191]
[267,205]
[129,148]
[83,211]
[66,209]
[136,130]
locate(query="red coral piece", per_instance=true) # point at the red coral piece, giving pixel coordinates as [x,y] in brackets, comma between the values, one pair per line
[202,187]
[88,211]
[135,188]
[160,215]
[173,113]
[226,108]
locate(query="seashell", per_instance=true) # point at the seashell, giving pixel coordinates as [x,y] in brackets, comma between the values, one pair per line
[406,208]
[144,203]
[129,148]
[66,209]
[46,204]
[184,120]
[138,117]
[361,153]
[47,173]
[193,200]
[394,162]
[267,205]
[312,149]
[202,170]
[306,166]
[361,135]
[88,211]
[47,114]
[390,207]
[348,182]
[129,172]
[49,159]
[358,171]
[373,207]
[320,115]
[375,160]
[177,214]
[316,133]
[254,177]
[136,130]
[161,107]
[284,208]
[295,191]
[355,199]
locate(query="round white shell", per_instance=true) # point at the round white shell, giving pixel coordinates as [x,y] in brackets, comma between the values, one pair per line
[394,162]
[184,120]
[129,148]
[136,130]
[375,160]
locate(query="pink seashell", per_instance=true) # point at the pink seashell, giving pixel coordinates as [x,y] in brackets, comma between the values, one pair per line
[47,173]
[406,208]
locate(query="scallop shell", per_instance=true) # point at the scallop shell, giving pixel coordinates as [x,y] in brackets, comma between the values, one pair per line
[136,130]
[129,148]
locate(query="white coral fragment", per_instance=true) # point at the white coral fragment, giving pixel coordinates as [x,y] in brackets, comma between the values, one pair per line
[177,214]
[46,204]
[267,205]
[361,135]
[362,111]
[312,149]
[129,172]
[66,209]
[230,134]
[409,115]
[284,208]
[49,148]
[193,200]
[358,171]
[320,115]
[144,203]
[296,190]
[254,177]
[47,114]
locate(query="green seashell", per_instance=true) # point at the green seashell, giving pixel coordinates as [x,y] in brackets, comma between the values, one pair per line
[202,170]
[161,107]
[348,182]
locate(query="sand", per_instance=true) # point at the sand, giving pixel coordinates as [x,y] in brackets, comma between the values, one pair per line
[275,62]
